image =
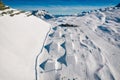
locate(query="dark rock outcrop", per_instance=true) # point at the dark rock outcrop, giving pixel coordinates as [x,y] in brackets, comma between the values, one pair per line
[118,5]
[2,6]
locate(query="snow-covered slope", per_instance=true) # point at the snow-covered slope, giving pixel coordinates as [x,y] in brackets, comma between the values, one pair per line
[82,47]
[21,38]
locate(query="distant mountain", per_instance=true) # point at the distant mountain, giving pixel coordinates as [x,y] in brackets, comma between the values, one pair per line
[98,10]
[43,14]
[118,5]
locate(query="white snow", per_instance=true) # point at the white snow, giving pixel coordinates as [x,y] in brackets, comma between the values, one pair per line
[90,51]
[80,47]
[21,39]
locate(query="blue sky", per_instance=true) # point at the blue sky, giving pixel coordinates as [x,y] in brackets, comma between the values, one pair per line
[60,6]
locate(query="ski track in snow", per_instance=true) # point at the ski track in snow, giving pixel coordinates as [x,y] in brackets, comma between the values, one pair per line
[75,41]
[39,55]
[107,49]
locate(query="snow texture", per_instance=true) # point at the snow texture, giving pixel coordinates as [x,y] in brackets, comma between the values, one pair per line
[87,50]
[80,47]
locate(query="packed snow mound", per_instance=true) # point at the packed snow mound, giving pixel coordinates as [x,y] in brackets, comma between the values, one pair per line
[90,50]
[21,38]
[42,14]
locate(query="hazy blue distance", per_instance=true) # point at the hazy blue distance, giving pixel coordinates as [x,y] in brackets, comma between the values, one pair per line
[60,6]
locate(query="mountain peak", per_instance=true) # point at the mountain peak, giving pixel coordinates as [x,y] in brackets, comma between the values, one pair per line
[43,14]
[118,5]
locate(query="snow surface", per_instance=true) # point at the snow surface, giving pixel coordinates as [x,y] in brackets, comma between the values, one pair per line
[21,39]
[82,47]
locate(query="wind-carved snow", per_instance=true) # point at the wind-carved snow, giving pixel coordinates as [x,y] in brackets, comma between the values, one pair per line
[84,52]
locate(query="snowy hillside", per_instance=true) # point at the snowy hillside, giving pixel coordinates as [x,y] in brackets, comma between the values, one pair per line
[85,47]
[21,38]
